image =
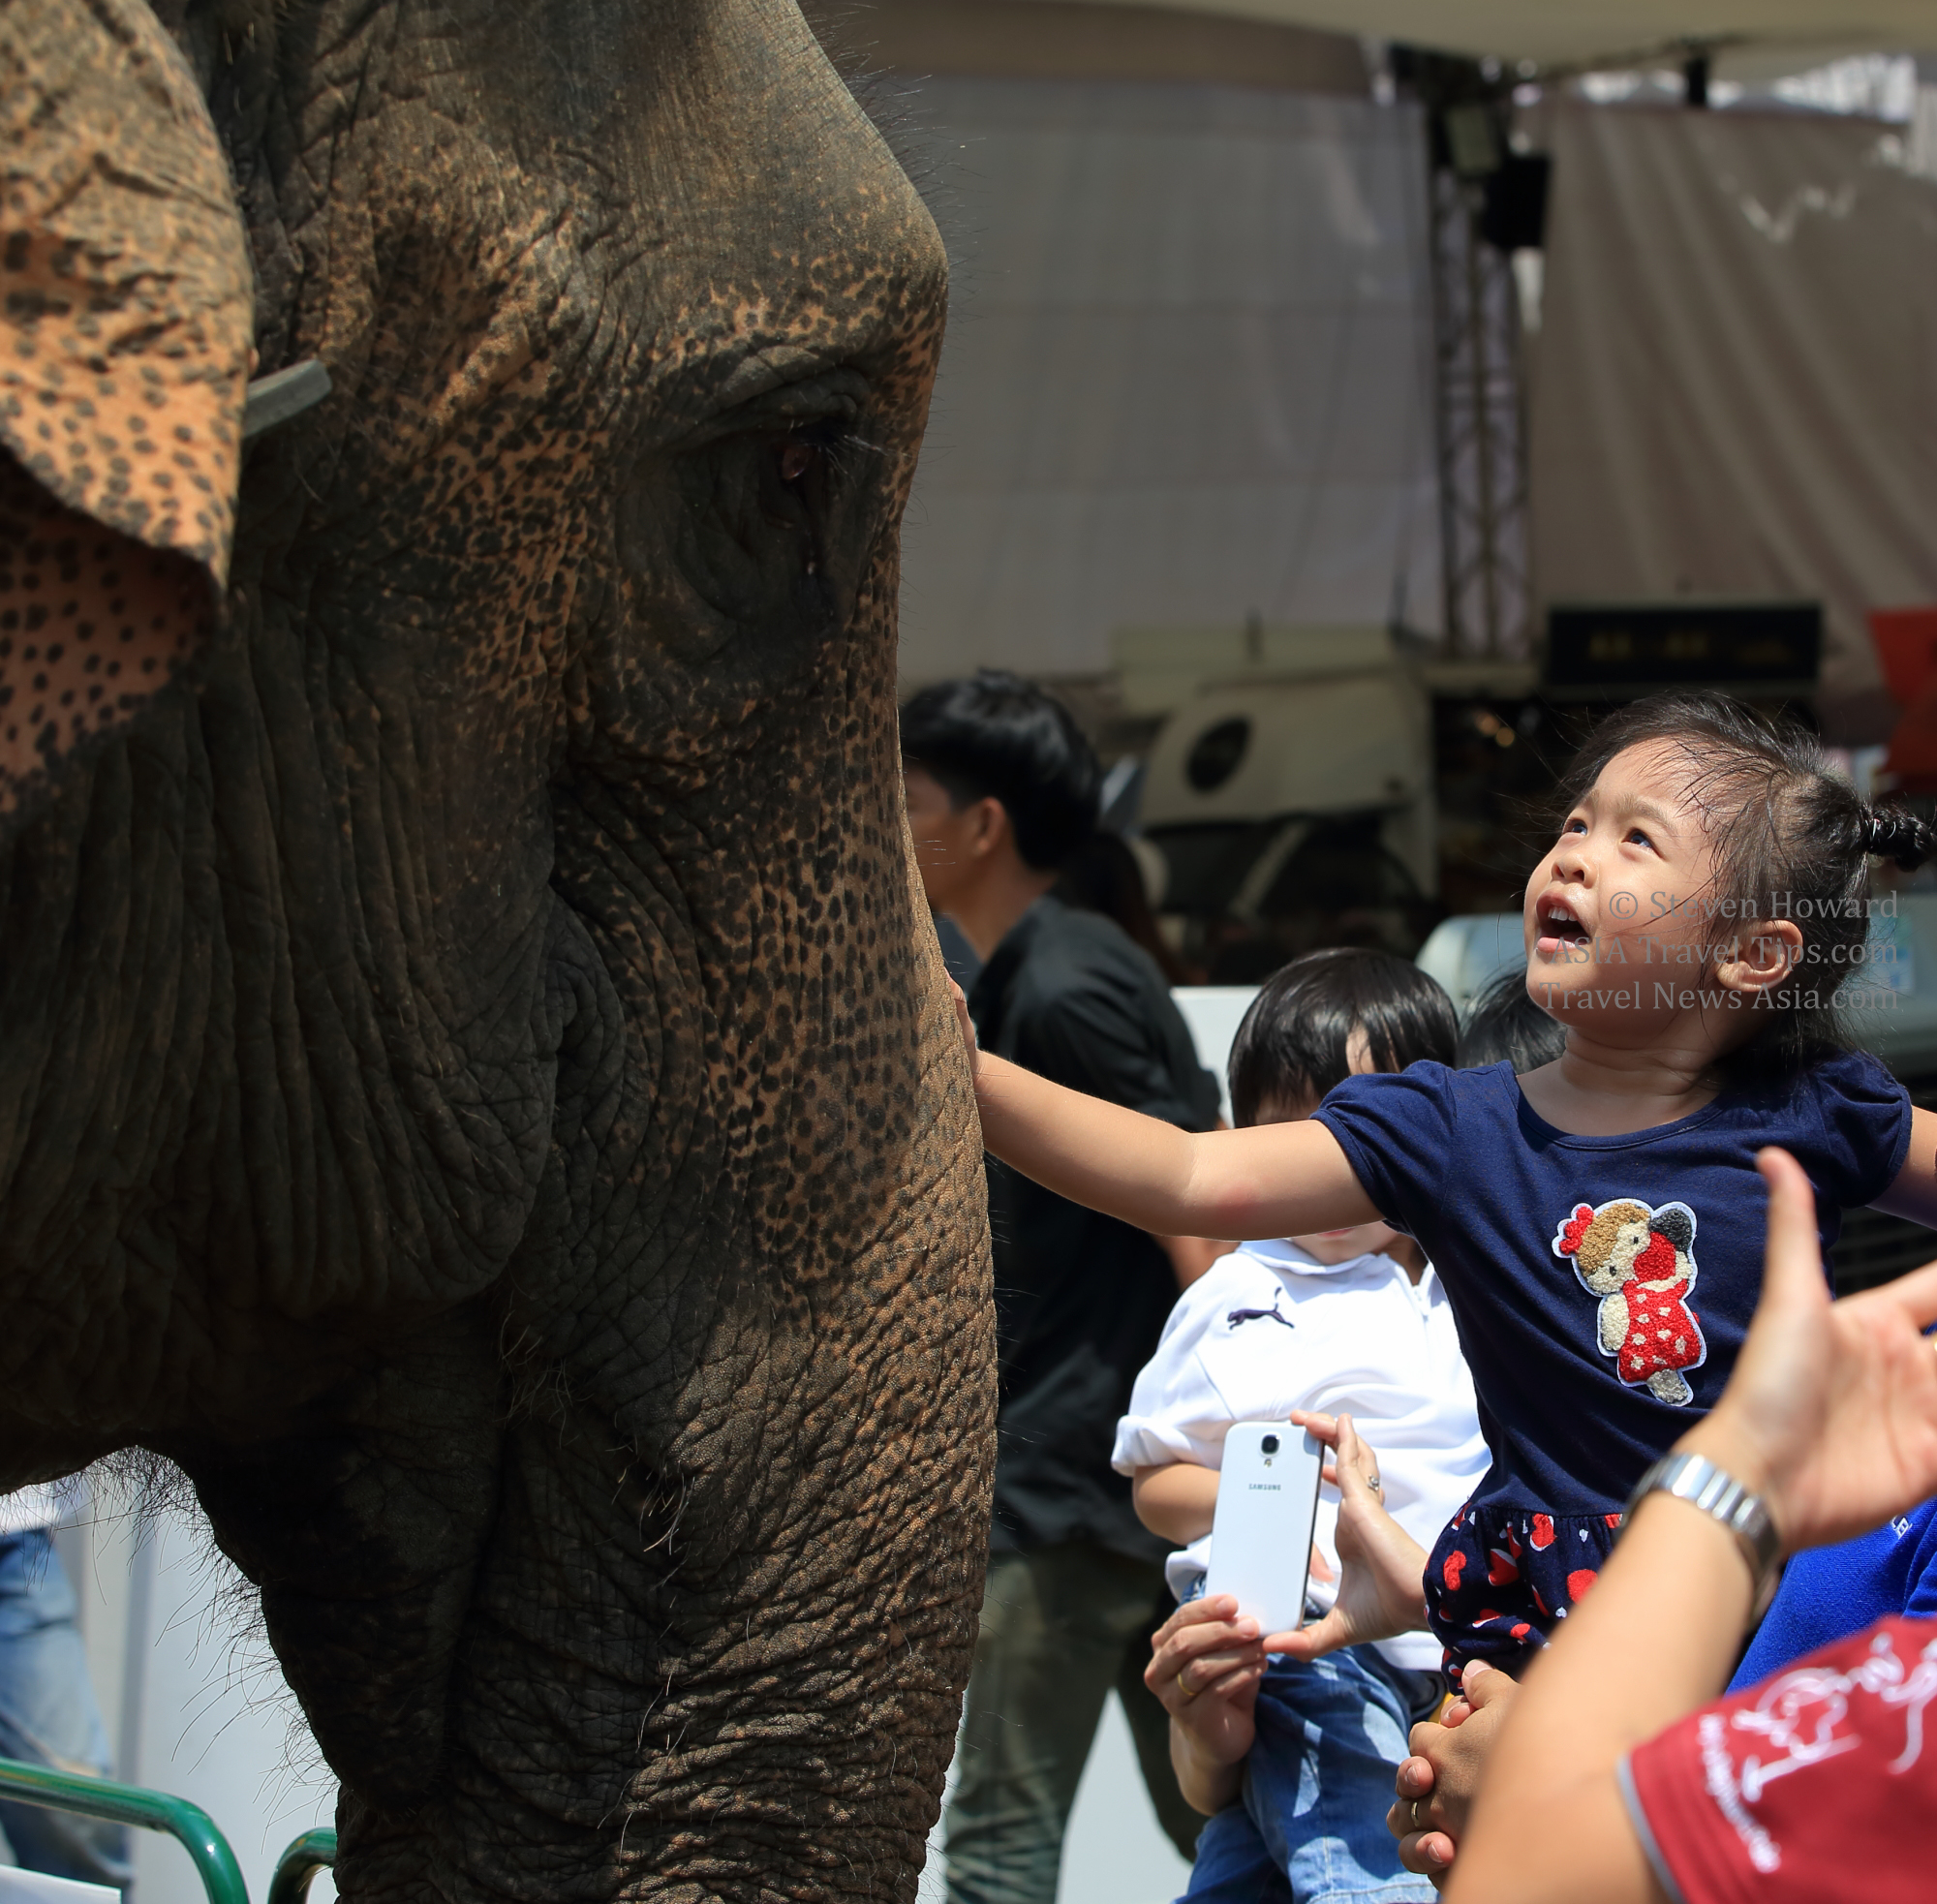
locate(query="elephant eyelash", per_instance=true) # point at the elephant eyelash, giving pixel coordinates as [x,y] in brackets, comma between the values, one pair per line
[839,448]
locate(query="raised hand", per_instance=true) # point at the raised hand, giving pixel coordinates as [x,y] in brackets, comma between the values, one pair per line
[1831,1412]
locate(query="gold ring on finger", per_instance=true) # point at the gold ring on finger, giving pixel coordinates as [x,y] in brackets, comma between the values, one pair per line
[1416,1825]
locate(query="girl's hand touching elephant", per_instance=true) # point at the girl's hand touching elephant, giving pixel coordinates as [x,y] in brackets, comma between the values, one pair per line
[965,1025]
[1205,1665]
[1381,1590]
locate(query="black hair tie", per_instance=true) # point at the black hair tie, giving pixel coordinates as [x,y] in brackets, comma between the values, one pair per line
[1894,833]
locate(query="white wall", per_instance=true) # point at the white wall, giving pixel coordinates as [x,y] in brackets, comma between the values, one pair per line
[208,1718]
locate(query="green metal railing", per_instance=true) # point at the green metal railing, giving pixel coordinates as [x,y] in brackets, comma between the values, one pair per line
[129,1804]
[310,1854]
[157,1811]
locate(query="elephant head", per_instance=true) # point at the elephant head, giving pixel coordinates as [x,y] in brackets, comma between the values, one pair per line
[477,1088]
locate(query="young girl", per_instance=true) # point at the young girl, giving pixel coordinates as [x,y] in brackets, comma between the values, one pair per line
[1598,1222]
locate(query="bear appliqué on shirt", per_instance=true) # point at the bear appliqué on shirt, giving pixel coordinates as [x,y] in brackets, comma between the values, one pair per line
[1639,1261]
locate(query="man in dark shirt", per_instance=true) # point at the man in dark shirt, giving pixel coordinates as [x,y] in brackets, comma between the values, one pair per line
[1002,785]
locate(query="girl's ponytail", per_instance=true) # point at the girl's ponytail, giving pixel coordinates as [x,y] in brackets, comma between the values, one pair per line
[1896,834]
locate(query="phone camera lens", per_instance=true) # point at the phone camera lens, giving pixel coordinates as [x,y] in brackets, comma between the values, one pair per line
[1268,1444]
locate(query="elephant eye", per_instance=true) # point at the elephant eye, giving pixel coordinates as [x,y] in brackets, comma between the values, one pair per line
[762,519]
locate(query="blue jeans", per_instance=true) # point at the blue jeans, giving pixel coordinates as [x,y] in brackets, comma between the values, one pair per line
[1311,1822]
[48,1716]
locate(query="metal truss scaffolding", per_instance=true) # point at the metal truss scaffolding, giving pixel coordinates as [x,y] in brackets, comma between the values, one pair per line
[1482,430]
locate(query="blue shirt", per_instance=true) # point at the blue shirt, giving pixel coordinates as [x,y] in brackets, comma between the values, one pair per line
[1602,1285]
[1832,1593]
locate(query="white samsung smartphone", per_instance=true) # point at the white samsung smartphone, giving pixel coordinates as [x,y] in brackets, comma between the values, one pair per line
[1261,1534]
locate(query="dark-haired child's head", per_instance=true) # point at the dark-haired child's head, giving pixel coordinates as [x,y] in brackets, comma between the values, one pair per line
[1709,887]
[1504,1025]
[1314,1024]
[1326,1015]
[999,737]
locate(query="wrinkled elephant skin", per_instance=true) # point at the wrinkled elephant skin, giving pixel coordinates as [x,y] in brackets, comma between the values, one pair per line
[477,1088]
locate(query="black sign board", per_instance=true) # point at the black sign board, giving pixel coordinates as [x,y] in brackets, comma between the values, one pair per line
[1615,650]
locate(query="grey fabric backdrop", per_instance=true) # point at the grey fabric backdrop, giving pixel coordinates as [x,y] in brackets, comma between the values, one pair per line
[1188,372]
[1735,385]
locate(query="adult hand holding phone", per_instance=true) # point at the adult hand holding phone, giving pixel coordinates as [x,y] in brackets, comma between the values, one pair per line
[1206,1662]
[1382,1567]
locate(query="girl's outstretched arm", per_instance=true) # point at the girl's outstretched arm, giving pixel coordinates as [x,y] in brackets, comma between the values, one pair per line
[1914,1194]
[1281,1179]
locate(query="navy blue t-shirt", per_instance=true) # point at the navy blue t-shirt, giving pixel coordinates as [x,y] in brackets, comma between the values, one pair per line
[1602,1285]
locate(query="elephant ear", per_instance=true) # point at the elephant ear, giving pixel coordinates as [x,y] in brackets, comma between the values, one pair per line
[125,321]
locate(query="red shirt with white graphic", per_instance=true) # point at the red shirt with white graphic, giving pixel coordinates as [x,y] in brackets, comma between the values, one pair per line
[1814,1784]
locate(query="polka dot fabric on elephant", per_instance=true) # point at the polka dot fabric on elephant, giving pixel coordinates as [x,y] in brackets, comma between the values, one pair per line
[125,342]
[1501,1577]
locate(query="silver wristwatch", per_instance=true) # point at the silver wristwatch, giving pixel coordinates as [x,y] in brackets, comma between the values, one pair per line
[1697,1480]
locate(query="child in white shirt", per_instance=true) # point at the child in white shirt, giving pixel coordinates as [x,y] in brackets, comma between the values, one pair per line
[1348,1322]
